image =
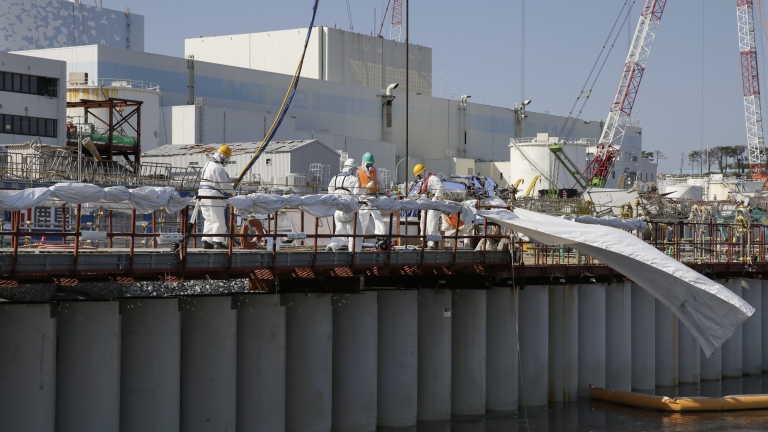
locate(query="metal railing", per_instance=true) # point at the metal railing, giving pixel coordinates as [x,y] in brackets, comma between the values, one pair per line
[293,232]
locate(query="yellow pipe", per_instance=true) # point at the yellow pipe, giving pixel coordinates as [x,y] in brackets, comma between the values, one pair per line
[663,403]
[530,188]
[517,183]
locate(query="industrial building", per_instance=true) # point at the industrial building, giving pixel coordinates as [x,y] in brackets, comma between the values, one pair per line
[37,24]
[283,163]
[33,100]
[206,102]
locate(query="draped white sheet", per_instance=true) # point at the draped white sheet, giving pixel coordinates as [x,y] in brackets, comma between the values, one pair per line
[144,199]
[711,311]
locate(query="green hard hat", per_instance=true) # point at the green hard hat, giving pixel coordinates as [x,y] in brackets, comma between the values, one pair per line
[368,158]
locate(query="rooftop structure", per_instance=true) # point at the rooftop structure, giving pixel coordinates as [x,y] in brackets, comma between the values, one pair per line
[332,55]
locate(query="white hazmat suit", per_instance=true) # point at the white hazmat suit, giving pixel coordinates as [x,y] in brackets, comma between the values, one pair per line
[345,183]
[434,189]
[214,182]
[366,213]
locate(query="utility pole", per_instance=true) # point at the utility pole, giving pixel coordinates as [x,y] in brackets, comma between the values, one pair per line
[407,83]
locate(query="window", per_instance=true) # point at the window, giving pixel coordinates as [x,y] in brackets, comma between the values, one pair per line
[23,125]
[29,84]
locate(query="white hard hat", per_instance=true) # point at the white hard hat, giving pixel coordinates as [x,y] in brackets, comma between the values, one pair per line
[350,163]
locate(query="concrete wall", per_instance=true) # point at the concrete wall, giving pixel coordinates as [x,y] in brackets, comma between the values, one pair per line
[337,361]
[36,24]
[332,55]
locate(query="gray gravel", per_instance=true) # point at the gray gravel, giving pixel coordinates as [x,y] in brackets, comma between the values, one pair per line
[105,290]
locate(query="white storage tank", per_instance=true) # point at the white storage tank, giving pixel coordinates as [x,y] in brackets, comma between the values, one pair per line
[148,93]
[685,191]
[531,157]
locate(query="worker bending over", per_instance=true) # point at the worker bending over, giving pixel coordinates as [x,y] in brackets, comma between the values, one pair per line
[371,185]
[345,183]
[214,181]
[431,187]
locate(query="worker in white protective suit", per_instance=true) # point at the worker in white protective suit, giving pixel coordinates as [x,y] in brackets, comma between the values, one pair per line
[214,181]
[345,183]
[431,187]
[371,185]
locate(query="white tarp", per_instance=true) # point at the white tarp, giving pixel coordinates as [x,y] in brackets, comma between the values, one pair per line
[709,310]
[144,199]
[631,224]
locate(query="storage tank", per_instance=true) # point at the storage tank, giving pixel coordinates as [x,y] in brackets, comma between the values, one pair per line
[148,93]
[685,191]
[530,157]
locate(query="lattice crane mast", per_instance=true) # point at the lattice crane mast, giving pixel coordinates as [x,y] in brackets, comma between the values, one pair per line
[751,88]
[612,136]
[396,25]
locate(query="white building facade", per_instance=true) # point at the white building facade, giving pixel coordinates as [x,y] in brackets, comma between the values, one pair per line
[205,102]
[32,100]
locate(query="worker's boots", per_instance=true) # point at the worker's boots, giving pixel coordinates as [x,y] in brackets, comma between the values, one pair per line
[220,245]
[207,245]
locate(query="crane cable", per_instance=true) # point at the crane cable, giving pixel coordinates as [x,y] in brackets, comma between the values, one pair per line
[384,18]
[584,92]
[284,107]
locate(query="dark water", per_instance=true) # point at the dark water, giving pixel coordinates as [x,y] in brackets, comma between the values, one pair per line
[585,415]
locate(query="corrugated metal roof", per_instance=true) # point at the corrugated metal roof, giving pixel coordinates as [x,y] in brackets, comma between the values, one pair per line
[237,148]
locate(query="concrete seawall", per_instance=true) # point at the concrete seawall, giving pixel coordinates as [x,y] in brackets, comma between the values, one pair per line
[348,361]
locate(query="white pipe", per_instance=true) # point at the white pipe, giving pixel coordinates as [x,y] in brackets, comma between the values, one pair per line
[643,339]
[534,346]
[618,336]
[563,343]
[591,337]
[732,348]
[666,346]
[434,380]
[751,338]
[501,349]
[468,390]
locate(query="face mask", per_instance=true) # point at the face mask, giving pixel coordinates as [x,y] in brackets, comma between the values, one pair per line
[368,166]
[420,176]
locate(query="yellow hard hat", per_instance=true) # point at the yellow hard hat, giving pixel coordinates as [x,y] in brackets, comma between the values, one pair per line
[418,169]
[226,151]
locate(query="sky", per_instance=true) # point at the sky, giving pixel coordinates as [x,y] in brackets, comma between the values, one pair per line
[690,97]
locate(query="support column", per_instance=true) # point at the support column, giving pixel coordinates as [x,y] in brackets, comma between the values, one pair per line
[752,341]
[618,336]
[591,337]
[309,367]
[434,380]
[501,349]
[732,348]
[397,358]
[208,363]
[666,347]
[563,343]
[88,366]
[355,354]
[533,333]
[27,367]
[712,367]
[150,389]
[468,346]
[260,362]
[764,326]
[643,339]
[688,356]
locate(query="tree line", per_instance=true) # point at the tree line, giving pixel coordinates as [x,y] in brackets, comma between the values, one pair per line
[724,158]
